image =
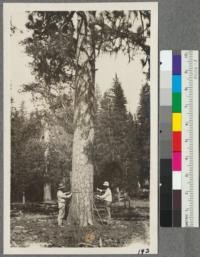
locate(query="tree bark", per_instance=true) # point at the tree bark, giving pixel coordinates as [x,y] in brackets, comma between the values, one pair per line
[81,207]
[47,184]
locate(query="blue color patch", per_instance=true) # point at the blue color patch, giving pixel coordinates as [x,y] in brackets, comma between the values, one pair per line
[176,83]
[176,64]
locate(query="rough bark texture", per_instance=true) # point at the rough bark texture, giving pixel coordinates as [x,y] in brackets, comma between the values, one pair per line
[81,207]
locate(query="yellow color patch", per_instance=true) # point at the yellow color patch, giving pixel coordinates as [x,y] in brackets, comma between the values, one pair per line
[176,121]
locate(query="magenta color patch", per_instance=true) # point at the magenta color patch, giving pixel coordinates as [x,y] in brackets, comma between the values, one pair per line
[176,161]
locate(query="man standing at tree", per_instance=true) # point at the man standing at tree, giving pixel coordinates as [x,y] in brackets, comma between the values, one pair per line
[62,196]
[107,198]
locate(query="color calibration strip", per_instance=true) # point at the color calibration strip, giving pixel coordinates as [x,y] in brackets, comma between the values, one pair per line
[179,144]
[165,120]
[176,140]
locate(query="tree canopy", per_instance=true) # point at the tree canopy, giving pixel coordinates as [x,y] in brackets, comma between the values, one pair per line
[54,41]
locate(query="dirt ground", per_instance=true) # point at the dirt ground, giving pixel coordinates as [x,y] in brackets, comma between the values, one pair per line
[129,226]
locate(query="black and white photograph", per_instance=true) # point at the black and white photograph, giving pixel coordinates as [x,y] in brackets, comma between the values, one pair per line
[80,128]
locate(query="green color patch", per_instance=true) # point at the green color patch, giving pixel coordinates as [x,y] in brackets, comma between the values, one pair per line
[176,102]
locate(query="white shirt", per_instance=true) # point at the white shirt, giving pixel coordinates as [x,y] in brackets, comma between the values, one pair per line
[107,196]
[61,196]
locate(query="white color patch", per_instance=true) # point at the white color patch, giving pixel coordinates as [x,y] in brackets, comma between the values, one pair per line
[166,60]
[176,180]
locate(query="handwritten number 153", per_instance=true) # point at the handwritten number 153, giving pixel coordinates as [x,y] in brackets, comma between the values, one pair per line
[143,251]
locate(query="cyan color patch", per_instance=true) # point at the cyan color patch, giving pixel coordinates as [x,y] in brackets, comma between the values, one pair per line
[176,83]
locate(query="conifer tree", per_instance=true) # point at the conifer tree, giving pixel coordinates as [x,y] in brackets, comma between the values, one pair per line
[64,54]
[143,133]
[115,140]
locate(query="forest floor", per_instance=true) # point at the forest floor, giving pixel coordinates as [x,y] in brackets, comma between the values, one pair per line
[129,226]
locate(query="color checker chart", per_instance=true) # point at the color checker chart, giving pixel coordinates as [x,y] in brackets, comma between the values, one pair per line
[179,139]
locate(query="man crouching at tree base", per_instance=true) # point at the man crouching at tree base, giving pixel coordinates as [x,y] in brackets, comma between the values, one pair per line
[62,196]
[107,198]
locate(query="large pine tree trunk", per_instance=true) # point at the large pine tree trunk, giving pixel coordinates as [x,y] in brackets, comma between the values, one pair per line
[81,207]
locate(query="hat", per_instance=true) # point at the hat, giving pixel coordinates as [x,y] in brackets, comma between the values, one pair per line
[106,183]
[61,186]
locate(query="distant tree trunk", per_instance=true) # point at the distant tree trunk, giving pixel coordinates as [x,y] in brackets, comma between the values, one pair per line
[47,184]
[47,192]
[118,194]
[23,198]
[81,207]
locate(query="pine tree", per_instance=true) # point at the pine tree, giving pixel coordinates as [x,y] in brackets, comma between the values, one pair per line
[103,144]
[25,151]
[119,100]
[120,122]
[29,171]
[143,133]
[64,53]
[132,154]
[115,140]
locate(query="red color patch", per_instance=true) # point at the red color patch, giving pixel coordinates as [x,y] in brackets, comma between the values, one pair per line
[176,140]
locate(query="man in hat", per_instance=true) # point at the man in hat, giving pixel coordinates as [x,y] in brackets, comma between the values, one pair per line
[107,198]
[62,196]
